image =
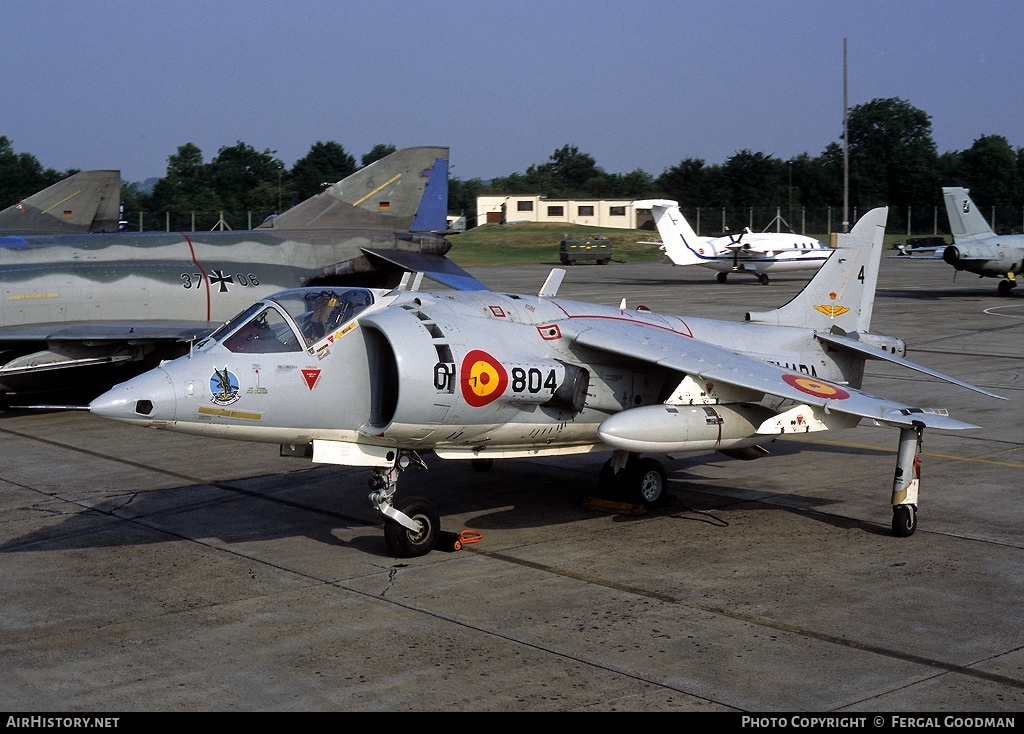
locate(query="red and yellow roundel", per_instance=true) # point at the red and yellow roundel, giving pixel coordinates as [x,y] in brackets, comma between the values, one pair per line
[483,378]
[817,388]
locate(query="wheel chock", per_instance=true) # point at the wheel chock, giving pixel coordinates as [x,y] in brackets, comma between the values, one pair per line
[610,506]
[451,542]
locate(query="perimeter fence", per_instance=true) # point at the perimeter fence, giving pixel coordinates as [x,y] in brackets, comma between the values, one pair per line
[907,221]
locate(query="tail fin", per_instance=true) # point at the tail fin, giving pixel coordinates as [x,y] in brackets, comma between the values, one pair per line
[965,221]
[405,191]
[88,201]
[842,293]
[680,242]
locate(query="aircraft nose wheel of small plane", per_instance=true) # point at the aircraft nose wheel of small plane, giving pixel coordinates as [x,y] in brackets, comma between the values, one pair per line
[904,520]
[406,543]
[762,278]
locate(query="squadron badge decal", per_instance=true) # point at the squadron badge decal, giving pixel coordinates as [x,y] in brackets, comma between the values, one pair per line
[224,386]
[483,379]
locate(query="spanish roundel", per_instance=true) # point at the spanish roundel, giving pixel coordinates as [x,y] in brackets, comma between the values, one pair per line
[815,387]
[483,379]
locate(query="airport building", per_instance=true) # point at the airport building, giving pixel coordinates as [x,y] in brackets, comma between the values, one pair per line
[611,213]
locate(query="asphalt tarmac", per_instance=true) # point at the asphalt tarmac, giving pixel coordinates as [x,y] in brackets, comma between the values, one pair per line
[147,571]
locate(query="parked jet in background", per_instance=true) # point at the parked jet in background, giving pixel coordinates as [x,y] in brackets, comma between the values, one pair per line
[74,306]
[89,201]
[976,248]
[373,378]
[757,253]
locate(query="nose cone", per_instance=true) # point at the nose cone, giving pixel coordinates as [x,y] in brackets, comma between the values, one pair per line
[145,399]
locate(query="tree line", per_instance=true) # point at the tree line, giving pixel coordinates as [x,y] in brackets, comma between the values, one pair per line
[893,161]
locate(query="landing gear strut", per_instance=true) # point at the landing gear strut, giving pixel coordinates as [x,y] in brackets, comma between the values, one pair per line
[630,478]
[907,482]
[412,527]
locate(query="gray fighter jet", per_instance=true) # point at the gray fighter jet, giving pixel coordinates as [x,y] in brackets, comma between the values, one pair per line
[978,249]
[375,378]
[89,201]
[84,312]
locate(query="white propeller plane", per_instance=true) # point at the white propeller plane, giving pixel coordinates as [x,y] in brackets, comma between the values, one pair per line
[377,378]
[757,253]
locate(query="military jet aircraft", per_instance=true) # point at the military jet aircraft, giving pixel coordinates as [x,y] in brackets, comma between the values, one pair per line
[88,201]
[375,378]
[88,311]
[978,249]
[757,253]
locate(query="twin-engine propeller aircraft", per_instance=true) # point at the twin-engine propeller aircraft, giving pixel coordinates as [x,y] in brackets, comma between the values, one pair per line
[976,247]
[85,312]
[88,201]
[757,253]
[375,378]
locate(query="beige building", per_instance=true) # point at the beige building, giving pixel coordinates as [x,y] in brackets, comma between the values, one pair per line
[612,213]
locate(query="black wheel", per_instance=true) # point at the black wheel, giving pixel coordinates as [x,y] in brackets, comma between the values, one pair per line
[405,543]
[763,278]
[649,482]
[722,277]
[1005,286]
[904,520]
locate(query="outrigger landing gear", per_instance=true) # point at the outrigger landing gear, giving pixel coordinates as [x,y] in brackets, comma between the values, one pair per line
[412,528]
[907,482]
[630,478]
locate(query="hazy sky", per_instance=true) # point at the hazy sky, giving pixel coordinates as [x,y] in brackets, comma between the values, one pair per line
[117,84]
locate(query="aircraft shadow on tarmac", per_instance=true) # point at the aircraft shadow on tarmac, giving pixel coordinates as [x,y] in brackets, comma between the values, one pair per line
[328,503]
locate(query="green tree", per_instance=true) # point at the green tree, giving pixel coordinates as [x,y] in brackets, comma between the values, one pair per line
[990,170]
[377,152]
[893,160]
[188,186]
[21,175]
[240,170]
[325,163]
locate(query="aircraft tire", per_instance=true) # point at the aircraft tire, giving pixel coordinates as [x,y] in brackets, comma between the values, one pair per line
[904,521]
[650,482]
[762,278]
[1005,287]
[722,277]
[405,543]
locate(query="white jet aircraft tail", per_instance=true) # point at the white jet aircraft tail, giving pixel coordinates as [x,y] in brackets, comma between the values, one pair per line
[842,293]
[680,242]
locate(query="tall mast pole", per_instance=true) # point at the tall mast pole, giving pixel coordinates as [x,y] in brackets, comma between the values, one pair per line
[846,151]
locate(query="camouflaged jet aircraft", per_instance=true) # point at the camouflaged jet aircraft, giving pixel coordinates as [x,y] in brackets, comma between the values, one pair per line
[374,378]
[88,311]
[89,201]
[756,253]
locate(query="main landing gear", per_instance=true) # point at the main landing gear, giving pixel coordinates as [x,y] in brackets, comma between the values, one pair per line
[762,278]
[627,477]
[907,481]
[1005,286]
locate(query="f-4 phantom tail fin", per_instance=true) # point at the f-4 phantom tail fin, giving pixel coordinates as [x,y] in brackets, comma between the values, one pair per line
[88,201]
[405,191]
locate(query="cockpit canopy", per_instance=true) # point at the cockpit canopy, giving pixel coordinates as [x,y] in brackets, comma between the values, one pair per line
[291,321]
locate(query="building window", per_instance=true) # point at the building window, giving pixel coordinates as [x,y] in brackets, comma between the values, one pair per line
[524,206]
[585,211]
[556,211]
[617,211]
